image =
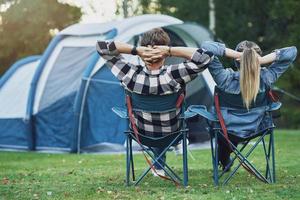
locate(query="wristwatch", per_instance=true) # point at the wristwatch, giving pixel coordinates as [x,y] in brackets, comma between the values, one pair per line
[134,51]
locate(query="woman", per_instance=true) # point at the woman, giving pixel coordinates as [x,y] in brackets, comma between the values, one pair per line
[249,81]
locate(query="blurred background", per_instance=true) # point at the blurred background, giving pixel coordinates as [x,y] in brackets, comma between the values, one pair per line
[27,26]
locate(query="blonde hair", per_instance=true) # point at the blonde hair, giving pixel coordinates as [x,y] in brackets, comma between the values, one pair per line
[249,74]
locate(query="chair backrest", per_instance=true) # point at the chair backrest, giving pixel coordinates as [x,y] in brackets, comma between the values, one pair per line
[154,103]
[235,100]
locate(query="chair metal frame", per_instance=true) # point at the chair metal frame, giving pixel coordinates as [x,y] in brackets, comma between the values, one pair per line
[180,135]
[269,175]
[269,150]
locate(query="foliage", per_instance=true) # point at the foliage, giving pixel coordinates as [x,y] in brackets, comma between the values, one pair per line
[195,11]
[272,24]
[26,25]
[61,176]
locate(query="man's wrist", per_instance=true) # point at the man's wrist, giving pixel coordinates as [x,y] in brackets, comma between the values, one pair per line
[134,50]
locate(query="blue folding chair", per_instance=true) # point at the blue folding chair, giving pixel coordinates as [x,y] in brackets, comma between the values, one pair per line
[219,133]
[155,104]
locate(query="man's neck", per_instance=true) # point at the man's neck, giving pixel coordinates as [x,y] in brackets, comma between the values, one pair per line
[155,66]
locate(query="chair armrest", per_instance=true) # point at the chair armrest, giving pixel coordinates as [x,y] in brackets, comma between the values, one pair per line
[274,106]
[121,112]
[202,111]
[188,114]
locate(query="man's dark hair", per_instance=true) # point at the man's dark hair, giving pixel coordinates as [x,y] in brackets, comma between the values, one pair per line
[156,36]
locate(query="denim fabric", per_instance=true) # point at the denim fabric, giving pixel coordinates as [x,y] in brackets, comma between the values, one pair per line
[256,119]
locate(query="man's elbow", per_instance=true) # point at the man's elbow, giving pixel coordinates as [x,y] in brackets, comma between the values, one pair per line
[101,46]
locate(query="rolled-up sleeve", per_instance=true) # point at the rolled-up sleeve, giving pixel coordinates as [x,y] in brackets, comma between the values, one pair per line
[217,48]
[221,76]
[115,61]
[107,50]
[284,58]
[187,71]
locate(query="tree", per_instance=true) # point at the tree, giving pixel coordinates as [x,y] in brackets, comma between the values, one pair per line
[28,26]
[128,8]
[270,23]
[196,11]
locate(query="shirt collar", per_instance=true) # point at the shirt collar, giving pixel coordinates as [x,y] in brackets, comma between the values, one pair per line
[152,72]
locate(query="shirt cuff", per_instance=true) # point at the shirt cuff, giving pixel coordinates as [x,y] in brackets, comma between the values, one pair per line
[107,48]
[278,53]
[201,57]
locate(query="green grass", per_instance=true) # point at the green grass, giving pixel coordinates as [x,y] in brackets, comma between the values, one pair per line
[69,176]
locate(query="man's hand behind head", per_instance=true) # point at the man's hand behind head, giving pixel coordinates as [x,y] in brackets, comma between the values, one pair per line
[150,55]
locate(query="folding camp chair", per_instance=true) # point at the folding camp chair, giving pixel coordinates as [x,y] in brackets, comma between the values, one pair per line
[217,130]
[155,104]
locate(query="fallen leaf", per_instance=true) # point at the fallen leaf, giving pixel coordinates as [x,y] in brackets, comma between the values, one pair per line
[5,181]
[49,193]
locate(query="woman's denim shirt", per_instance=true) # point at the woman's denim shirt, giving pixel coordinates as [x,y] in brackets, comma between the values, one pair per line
[227,80]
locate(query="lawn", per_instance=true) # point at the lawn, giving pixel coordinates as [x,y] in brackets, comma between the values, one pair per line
[86,176]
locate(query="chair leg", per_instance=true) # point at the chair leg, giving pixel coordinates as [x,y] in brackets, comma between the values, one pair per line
[246,161]
[233,159]
[185,163]
[165,164]
[215,158]
[131,160]
[155,160]
[127,161]
[273,156]
[267,157]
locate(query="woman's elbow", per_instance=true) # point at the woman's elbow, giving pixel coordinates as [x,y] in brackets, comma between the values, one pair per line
[289,53]
[295,51]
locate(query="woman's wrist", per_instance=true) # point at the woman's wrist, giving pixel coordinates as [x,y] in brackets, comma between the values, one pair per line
[268,58]
[232,53]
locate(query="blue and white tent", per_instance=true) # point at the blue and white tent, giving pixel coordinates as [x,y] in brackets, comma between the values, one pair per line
[62,100]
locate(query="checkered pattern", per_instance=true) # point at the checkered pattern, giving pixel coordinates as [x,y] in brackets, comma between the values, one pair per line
[166,80]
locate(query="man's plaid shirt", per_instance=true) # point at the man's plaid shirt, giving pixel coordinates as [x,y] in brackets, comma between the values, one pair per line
[166,80]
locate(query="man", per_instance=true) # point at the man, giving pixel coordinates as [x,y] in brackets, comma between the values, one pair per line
[154,77]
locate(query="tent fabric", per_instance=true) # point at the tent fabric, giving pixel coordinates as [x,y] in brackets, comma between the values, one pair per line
[56,48]
[14,89]
[65,74]
[69,92]
[122,25]
[98,111]
[14,92]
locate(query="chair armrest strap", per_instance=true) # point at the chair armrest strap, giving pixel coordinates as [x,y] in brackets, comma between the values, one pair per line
[274,106]
[188,114]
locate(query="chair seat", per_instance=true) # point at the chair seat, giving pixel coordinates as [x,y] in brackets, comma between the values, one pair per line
[245,136]
[122,113]
[157,141]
